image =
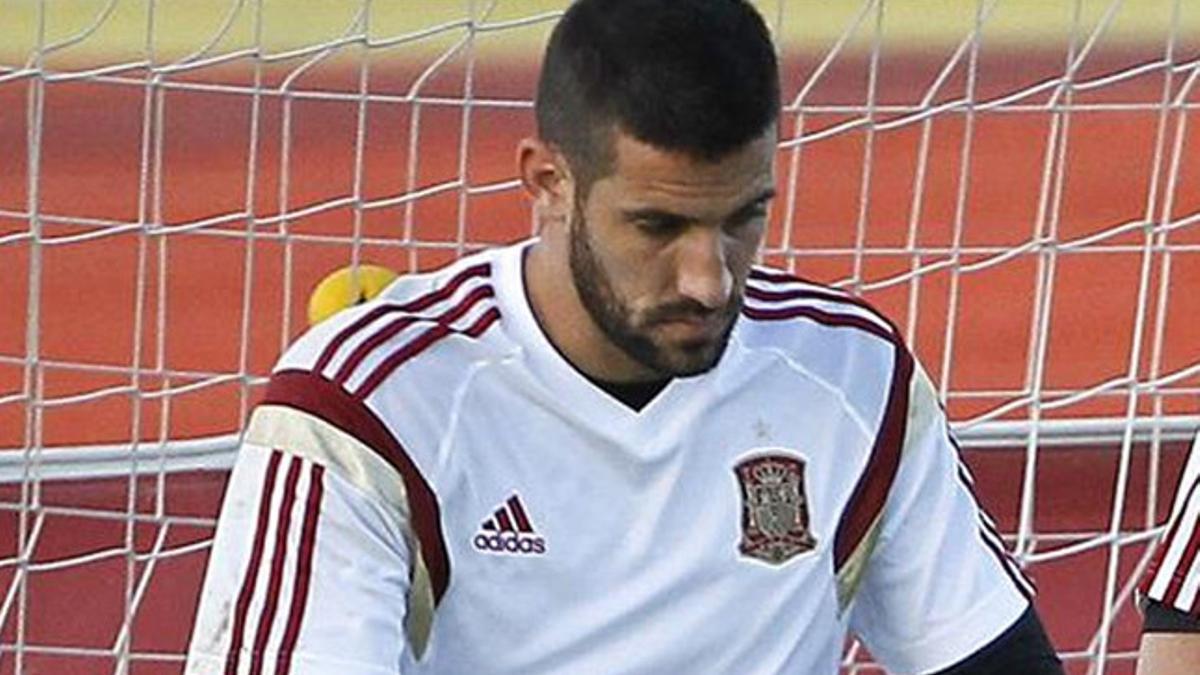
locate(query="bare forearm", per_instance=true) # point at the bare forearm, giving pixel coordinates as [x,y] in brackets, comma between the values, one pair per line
[1169,654]
[1170,641]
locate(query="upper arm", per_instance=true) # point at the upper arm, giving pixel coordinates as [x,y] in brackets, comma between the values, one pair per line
[1171,631]
[1173,578]
[938,585]
[309,567]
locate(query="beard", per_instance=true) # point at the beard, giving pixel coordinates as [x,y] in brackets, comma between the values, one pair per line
[634,334]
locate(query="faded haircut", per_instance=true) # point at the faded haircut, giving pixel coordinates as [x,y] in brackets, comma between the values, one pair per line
[693,76]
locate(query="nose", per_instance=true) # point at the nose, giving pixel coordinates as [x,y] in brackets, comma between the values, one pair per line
[702,267]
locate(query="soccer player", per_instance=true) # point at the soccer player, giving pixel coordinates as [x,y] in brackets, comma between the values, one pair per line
[620,447]
[1171,587]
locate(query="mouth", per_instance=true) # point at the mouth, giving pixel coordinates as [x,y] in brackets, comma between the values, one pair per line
[690,328]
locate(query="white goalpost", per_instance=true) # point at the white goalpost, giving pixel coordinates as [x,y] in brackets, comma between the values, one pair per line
[1016,183]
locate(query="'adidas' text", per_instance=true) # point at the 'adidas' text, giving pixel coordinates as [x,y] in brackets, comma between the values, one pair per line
[510,542]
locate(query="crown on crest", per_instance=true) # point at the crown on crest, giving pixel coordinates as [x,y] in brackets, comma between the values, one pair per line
[771,472]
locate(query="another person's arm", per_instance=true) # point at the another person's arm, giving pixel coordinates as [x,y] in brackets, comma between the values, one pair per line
[1171,587]
[1170,642]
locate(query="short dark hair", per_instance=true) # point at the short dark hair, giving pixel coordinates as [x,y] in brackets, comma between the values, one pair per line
[695,76]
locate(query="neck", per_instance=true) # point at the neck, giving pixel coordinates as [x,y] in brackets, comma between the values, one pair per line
[567,323]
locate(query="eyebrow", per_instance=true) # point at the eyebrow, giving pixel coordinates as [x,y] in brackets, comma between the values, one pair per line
[762,198]
[652,213]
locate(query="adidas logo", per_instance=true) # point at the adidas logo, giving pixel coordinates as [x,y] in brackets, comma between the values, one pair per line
[509,532]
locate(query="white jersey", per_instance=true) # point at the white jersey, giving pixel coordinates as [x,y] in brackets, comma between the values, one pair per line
[430,487]
[1173,577]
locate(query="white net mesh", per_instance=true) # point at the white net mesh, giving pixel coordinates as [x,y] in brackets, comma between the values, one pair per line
[1016,183]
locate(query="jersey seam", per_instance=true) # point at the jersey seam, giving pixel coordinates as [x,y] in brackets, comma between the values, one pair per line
[458,400]
[391,511]
[838,393]
[452,338]
[335,471]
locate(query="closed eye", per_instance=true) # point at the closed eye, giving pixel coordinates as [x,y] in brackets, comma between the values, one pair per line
[659,224]
[748,216]
[753,212]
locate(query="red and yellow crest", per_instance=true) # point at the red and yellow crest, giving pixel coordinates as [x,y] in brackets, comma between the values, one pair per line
[774,508]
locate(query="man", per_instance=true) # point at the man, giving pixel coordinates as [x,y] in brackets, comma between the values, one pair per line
[620,447]
[1171,587]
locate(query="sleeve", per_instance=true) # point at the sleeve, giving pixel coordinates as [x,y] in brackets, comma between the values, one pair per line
[309,570]
[1023,648]
[1173,577]
[937,584]
[1158,618]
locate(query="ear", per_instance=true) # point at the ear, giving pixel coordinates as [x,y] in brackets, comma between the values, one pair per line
[547,178]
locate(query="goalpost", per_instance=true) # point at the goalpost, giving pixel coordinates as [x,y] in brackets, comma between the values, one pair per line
[1016,183]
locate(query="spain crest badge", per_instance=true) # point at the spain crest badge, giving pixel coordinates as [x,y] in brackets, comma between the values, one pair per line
[774,508]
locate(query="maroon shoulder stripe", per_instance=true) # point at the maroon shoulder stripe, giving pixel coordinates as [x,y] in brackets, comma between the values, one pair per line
[242,607]
[308,539]
[875,483]
[313,394]
[483,323]
[770,295]
[278,556]
[824,318]
[391,330]
[780,277]
[370,344]
[419,344]
[813,291]
[415,305]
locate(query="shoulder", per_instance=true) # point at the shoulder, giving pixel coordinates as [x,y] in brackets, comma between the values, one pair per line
[809,321]
[365,392]
[419,317]
[779,303]
[828,337]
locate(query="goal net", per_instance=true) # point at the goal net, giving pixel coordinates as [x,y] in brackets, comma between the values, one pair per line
[1017,183]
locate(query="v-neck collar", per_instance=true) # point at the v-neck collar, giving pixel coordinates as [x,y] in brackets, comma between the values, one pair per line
[672,405]
[636,395]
